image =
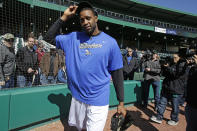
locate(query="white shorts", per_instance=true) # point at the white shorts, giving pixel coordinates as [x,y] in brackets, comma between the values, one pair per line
[84,116]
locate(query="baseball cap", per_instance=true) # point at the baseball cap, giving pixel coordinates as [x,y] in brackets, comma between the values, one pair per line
[8,36]
[83,5]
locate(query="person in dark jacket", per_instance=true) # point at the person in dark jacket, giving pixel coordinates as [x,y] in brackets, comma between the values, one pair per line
[26,64]
[152,77]
[130,65]
[7,62]
[191,98]
[172,89]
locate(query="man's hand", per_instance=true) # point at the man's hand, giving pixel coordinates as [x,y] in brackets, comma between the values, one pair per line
[69,12]
[2,83]
[147,69]
[166,65]
[121,109]
[36,72]
[30,70]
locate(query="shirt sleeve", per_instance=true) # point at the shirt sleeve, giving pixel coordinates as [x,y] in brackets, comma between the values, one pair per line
[117,77]
[115,58]
[64,41]
[53,32]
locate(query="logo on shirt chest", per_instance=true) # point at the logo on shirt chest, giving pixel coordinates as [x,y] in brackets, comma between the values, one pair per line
[87,47]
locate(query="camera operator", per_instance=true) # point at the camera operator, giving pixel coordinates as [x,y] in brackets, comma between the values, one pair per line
[191,97]
[152,76]
[172,89]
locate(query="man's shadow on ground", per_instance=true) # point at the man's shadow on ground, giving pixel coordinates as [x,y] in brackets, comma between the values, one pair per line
[63,102]
[141,123]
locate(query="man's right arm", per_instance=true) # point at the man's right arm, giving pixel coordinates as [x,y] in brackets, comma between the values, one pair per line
[2,57]
[53,32]
[55,28]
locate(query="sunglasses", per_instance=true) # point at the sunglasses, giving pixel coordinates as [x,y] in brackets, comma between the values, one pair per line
[9,40]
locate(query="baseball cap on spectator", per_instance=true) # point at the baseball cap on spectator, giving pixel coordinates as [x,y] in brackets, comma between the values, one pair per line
[83,5]
[8,37]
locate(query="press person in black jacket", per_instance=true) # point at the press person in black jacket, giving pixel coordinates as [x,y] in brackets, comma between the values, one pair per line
[130,65]
[191,98]
[26,64]
[172,89]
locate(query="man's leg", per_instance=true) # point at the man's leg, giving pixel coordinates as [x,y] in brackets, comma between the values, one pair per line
[131,75]
[9,83]
[28,83]
[125,76]
[156,88]
[43,79]
[161,107]
[175,107]
[96,117]
[191,118]
[21,81]
[146,89]
[77,114]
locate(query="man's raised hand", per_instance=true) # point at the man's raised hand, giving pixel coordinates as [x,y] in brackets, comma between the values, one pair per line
[69,12]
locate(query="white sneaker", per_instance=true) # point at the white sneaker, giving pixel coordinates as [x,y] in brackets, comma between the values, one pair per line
[154,118]
[172,123]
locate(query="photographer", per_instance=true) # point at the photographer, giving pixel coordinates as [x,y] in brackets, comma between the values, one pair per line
[172,89]
[191,107]
[152,76]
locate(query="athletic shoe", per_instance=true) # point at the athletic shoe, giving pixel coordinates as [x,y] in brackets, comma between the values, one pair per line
[155,119]
[172,123]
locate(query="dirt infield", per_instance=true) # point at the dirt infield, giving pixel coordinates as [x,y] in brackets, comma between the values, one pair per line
[141,121]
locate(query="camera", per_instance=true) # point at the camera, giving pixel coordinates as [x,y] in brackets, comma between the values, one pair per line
[147,56]
[166,61]
[187,55]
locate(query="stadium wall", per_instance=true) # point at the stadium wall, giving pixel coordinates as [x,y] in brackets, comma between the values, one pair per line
[23,108]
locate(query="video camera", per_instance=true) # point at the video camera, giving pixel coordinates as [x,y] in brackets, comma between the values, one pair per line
[187,55]
[166,60]
[147,56]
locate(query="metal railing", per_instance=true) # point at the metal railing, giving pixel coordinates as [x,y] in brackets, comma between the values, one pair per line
[129,18]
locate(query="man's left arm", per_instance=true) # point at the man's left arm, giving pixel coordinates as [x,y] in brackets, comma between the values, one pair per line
[117,77]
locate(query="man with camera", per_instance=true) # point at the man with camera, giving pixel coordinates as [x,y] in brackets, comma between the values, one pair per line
[152,77]
[7,62]
[191,97]
[173,88]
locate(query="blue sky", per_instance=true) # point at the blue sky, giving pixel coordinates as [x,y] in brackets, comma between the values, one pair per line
[188,6]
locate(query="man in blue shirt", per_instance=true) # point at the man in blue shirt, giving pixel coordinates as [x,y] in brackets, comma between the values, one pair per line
[130,65]
[92,57]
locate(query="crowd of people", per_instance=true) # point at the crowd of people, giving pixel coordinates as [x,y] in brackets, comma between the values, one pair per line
[31,65]
[178,84]
[90,63]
